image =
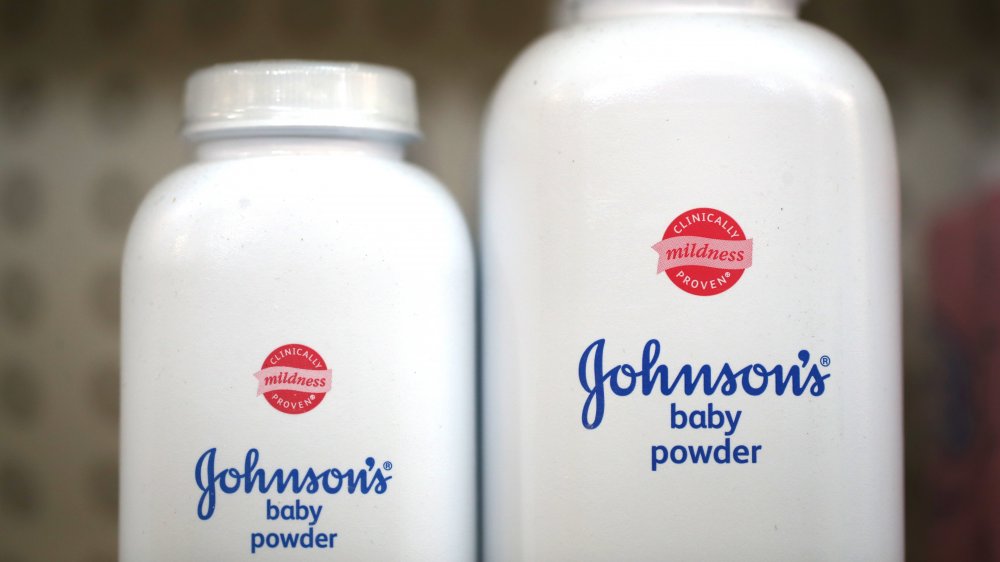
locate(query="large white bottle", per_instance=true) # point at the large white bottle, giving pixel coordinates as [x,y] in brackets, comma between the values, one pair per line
[691,292]
[297,332]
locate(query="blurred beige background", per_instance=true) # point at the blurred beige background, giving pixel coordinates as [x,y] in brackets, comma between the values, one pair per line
[90,96]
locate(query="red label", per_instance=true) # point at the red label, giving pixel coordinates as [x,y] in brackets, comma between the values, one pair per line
[294,379]
[704,252]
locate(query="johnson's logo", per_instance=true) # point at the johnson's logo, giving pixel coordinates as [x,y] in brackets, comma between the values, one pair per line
[704,252]
[215,481]
[605,380]
[294,379]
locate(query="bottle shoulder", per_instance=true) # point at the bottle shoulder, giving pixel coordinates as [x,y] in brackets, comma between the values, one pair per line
[600,62]
[335,180]
[349,172]
[323,199]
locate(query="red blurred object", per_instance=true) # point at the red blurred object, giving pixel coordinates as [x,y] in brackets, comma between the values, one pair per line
[965,288]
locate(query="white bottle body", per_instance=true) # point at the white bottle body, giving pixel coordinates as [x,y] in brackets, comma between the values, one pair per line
[598,137]
[325,243]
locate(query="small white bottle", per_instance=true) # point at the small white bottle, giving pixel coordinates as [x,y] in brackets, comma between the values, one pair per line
[691,292]
[297,331]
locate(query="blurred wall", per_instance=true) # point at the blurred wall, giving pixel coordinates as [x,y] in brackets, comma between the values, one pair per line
[89,111]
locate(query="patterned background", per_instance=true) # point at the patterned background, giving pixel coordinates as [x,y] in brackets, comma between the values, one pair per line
[89,114]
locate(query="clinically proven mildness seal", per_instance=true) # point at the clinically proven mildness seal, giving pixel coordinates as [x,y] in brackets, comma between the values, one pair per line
[704,252]
[294,379]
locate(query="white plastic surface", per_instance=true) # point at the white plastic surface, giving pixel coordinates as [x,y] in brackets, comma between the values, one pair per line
[335,244]
[301,96]
[587,9]
[598,137]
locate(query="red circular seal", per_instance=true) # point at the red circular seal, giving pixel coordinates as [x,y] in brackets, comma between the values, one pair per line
[294,379]
[704,252]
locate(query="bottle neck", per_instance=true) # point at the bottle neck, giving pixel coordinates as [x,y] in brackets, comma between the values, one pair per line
[589,10]
[228,148]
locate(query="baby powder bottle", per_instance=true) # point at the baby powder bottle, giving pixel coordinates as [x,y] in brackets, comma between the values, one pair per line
[297,331]
[691,292]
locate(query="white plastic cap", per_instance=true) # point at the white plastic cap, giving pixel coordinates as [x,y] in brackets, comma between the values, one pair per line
[300,97]
[566,12]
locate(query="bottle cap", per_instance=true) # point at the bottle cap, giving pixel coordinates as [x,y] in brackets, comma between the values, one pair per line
[568,12]
[300,97]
